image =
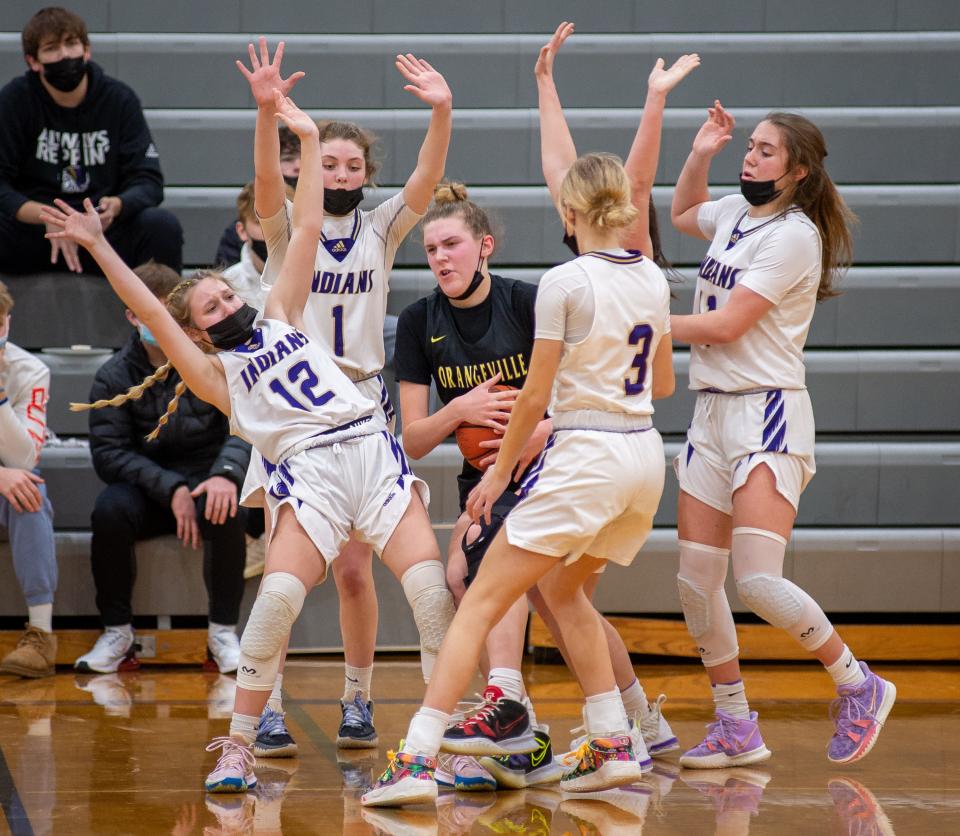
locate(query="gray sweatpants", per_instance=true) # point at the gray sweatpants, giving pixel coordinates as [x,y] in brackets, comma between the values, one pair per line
[34,555]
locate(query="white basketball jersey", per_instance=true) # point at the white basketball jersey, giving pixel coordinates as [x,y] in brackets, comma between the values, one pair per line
[611,369]
[777,257]
[348,299]
[285,390]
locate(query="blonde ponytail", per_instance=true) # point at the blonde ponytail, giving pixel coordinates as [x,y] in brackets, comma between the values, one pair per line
[181,387]
[597,186]
[134,393]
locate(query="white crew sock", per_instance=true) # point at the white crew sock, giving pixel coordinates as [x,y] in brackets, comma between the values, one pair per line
[507,680]
[731,698]
[425,732]
[276,695]
[245,726]
[846,670]
[635,700]
[604,715]
[41,617]
[213,629]
[356,679]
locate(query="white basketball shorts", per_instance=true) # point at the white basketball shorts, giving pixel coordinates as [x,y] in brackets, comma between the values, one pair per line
[731,434]
[362,485]
[591,492]
[252,496]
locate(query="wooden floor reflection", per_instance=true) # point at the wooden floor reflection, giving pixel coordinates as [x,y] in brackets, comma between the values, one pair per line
[121,754]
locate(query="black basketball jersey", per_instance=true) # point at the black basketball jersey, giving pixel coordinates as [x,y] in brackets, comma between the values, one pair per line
[457,365]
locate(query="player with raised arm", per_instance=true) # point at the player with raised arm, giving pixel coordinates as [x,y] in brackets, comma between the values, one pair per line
[776,249]
[345,311]
[334,466]
[602,350]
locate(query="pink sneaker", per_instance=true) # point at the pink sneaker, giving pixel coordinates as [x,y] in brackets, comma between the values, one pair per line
[234,770]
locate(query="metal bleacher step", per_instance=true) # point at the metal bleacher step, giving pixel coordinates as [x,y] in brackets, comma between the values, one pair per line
[533,234]
[215,147]
[497,16]
[496,70]
[858,483]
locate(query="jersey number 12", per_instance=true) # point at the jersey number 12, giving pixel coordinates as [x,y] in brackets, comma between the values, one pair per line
[307,387]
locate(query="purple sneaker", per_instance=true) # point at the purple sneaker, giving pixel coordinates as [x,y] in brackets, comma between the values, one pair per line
[859,713]
[730,741]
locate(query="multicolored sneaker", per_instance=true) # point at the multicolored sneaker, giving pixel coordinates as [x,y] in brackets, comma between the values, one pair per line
[731,790]
[658,737]
[730,741]
[859,713]
[858,808]
[464,773]
[273,739]
[408,779]
[569,760]
[234,769]
[498,726]
[517,772]
[604,762]
[356,728]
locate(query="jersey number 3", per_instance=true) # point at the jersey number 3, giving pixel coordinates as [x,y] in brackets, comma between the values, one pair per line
[639,334]
[307,387]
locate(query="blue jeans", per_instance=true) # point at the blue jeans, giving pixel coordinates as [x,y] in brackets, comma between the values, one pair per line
[34,554]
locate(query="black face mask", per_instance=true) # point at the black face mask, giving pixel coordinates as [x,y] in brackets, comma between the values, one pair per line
[571,242]
[233,330]
[760,192]
[259,248]
[291,181]
[66,74]
[475,282]
[341,201]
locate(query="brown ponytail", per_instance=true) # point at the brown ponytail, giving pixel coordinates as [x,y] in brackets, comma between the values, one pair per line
[818,197]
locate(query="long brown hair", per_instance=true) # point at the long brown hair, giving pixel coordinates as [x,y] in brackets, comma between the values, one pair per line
[362,138]
[818,197]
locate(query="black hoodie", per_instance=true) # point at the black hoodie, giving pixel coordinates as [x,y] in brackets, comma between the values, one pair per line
[100,147]
[193,446]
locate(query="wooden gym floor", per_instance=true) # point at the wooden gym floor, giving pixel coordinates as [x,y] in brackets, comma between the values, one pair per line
[124,753]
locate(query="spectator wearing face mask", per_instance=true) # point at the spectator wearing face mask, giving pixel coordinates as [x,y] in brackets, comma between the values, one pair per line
[228,250]
[69,131]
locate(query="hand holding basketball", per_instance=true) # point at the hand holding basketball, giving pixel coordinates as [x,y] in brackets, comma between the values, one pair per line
[488,404]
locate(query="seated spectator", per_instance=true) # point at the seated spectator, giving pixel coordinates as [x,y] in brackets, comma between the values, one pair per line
[67,130]
[184,481]
[24,508]
[228,251]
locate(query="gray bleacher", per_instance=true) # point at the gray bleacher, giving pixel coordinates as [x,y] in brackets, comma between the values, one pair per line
[878,76]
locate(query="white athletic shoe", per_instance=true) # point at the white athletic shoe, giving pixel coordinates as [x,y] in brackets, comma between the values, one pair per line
[114,651]
[223,650]
[657,734]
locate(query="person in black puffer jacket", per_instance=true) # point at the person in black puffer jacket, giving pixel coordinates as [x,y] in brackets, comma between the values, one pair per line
[185,481]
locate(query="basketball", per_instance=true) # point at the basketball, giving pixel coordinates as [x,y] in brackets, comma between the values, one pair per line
[469,437]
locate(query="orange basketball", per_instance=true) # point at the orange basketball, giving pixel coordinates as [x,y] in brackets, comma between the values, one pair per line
[469,437]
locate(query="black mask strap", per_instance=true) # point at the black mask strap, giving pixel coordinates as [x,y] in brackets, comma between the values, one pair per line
[475,282]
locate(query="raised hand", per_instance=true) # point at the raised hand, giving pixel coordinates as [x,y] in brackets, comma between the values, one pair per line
[425,82]
[715,133]
[544,65]
[663,81]
[71,226]
[265,77]
[294,118]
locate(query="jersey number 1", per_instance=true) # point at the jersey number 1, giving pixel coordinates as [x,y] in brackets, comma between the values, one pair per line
[337,314]
[307,387]
[640,334]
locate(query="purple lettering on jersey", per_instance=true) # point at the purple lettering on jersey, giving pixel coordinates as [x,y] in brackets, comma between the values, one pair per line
[348,283]
[342,283]
[718,273]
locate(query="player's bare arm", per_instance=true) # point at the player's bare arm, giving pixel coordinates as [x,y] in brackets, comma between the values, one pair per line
[431,88]
[557,149]
[203,374]
[692,189]
[264,77]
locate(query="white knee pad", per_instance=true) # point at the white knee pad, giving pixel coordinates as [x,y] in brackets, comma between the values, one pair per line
[426,589]
[276,608]
[758,568]
[706,610]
